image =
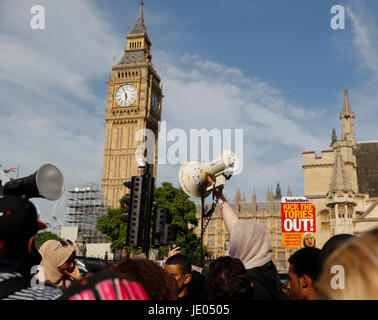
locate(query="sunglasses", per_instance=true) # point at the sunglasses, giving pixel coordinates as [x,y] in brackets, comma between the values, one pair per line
[61,243]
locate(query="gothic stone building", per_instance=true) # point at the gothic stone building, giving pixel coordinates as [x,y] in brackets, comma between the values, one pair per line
[342,182]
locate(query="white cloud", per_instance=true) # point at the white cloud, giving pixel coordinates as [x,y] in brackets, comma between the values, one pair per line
[50,107]
[206,94]
[365,35]
[364,44]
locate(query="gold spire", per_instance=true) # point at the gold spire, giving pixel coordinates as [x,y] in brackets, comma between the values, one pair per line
[347,110]
[254,201]
[238,195]
[289,194]
[347,116]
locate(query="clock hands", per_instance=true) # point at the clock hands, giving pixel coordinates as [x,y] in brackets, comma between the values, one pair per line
[126,95]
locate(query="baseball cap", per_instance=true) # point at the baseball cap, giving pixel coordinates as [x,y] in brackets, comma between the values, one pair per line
[18,218]
[105,285]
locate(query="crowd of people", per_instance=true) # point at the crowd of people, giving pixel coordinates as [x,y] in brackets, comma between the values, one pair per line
[346,267]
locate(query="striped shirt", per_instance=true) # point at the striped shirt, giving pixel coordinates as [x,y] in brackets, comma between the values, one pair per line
[29,292]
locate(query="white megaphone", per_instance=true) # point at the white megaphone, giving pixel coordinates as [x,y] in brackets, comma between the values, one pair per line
[192,174]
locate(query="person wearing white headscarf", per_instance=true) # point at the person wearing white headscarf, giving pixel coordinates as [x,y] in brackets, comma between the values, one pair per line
[249,242]
[57,267]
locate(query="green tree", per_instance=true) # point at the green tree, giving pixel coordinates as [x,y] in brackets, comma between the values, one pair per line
[184,217]
[114,228]
[42,237]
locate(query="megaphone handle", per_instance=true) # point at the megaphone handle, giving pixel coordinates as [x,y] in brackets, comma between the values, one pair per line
[213,206]
[200,240]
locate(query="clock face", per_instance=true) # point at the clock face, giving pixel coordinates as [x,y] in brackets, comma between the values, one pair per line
[126,95]
[154,101]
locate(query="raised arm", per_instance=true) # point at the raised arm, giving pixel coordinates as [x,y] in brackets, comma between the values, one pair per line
[229,215]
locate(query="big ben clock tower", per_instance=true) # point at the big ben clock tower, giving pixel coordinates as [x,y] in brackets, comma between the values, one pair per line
[133,103]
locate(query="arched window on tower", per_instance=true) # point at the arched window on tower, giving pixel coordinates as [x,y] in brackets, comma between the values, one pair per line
[324,220]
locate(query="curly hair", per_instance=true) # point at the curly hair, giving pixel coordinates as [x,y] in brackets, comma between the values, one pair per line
[227,279]
[157,283]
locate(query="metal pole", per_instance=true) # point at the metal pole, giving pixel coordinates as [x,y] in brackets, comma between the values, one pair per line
[202,214]
[149,180]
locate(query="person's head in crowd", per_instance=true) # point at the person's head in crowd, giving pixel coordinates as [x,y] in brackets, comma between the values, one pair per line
[304,270]
[250,244]
[105,285]
[333,243]
[227,279]
[179,267]
[309,240]
[158,284]
[351,271]
[58,262]
[196,286]
[18,226]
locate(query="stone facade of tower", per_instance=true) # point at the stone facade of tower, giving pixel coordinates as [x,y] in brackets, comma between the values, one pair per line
[268,213]
[342,182]
[134,100]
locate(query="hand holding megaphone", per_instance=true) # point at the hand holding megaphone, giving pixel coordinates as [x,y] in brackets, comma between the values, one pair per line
[194,175]
[217,191]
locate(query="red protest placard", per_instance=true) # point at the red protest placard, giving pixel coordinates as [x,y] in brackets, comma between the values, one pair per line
[298,224]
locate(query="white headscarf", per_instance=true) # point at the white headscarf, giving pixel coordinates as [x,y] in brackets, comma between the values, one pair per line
[53,256]
[250,243]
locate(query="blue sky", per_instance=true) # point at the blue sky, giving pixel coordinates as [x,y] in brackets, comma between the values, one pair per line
[275,69]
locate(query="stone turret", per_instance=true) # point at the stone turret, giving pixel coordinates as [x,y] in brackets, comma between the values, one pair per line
[347,116]
[254,201]
[333,138]
[289,194]
[237,200]
[278,192]
[340,198]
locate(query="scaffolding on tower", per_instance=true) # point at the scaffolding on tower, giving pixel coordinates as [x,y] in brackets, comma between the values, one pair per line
[84,207]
